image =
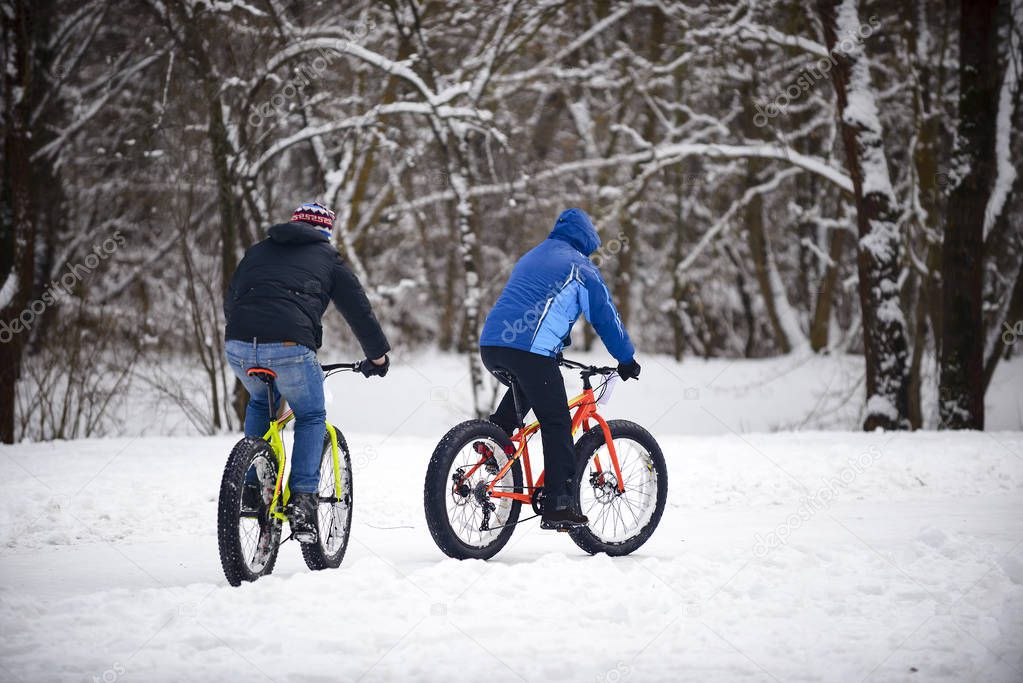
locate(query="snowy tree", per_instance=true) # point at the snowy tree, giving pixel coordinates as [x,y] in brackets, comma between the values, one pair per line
[962,349]
[769,178]
[879,249]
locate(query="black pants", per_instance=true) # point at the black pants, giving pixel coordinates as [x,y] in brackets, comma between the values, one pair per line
[540,387]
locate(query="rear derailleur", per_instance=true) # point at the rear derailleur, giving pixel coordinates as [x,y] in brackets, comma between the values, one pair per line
[478,493]
[483,498]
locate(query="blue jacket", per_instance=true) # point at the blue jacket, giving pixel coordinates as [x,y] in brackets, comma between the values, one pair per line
[548,289]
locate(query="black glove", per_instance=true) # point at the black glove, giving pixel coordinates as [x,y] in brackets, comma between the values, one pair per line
[629,370]
[368,368]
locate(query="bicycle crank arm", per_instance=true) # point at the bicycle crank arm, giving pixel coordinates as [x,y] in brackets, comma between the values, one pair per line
[331,499]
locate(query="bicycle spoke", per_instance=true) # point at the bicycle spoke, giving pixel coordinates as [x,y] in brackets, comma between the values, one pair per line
[620,513]
[255,531]
[465,513]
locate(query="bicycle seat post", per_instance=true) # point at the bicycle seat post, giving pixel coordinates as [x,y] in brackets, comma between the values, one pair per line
[508,379]
[267,376]
[519,416]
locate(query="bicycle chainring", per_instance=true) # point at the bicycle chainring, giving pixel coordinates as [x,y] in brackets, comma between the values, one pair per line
[537,500]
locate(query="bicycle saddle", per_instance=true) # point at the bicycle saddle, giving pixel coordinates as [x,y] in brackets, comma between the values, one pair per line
[263,374]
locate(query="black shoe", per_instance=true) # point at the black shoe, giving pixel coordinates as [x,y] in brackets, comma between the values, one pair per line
[252,498]
[563,519]
[302,516]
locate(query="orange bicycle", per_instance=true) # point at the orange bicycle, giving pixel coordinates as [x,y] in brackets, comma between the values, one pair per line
[474,485]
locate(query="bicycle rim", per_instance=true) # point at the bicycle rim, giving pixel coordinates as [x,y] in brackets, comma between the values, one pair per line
[617,516]
[465,512]
[333,516]
[258,533]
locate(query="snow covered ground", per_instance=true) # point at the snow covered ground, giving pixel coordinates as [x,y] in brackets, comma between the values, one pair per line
[781,556]
[790,556]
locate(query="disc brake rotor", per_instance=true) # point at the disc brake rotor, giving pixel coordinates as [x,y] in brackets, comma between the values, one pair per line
[605,487]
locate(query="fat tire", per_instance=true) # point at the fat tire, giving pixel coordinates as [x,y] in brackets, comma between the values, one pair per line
[232,484]
[313,553]
[590,442]
[437,486]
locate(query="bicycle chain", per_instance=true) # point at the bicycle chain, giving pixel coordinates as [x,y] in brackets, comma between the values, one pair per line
[518,522]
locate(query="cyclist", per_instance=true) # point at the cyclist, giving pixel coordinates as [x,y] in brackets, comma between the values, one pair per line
[273,307]
[524,334]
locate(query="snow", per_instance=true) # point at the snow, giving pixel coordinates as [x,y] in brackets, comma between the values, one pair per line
[860,111]
[802,390]
[359,121]
[787,316]
[770,34]
[222,6]
[402,69]
[9,290]
[725,222]
[664,152]
[880,405]
[912,561]
[794,555]
[1005,169]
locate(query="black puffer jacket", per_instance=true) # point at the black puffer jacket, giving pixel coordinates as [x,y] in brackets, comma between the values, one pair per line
[283,285]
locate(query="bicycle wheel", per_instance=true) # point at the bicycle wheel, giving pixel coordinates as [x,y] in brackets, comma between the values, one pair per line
[334,512]
[457,503]
[247,536]
[620,522]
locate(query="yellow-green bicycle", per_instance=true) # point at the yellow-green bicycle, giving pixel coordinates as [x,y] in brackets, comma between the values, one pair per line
[254,497]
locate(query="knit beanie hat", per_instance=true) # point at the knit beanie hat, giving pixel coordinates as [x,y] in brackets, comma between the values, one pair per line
[315,214]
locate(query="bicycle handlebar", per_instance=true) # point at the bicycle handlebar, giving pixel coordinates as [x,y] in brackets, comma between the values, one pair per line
[587,369]
[336,367]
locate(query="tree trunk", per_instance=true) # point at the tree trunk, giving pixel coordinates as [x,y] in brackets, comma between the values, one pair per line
[820,327]
[677,283]
[229,189]
[745,300]
[22,86]
[961,403]
[625,274]
[879,249]
[753,219]
[1008,331]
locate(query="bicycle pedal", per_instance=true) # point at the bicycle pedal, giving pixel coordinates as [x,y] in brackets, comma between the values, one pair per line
[305,537]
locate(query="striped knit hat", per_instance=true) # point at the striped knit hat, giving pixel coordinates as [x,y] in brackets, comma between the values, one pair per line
[315,214]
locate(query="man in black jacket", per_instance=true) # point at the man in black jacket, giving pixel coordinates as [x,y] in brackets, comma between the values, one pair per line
[273,308]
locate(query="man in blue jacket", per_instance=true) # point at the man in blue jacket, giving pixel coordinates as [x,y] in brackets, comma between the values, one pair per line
[526,330]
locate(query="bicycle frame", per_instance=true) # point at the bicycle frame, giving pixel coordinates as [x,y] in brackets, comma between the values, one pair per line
[273,437]
[585,406]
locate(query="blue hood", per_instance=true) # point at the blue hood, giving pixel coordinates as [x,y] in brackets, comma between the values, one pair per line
[576,228]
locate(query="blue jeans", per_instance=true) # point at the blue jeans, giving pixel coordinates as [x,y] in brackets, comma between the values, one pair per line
[300,381]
